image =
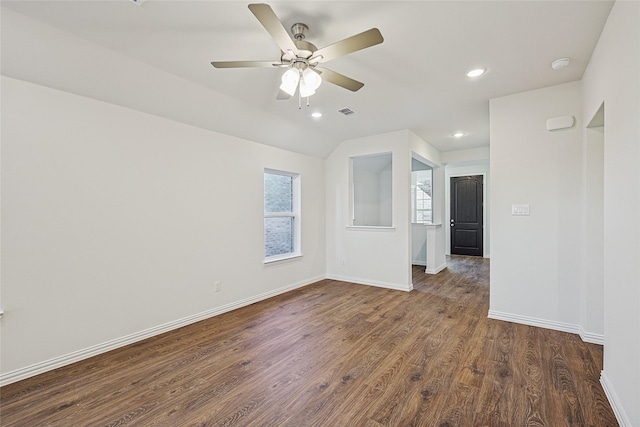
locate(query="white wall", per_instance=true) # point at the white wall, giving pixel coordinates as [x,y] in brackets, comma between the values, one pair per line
[418,244]
[116,223]
[536,264]
[372,190]
[592,307]
[374,256]
[366,197]
[613,77]
[385,202]
[465,157]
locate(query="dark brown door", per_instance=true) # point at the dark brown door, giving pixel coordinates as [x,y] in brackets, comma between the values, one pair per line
[466,215]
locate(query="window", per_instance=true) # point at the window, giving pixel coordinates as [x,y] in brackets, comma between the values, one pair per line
[281,215]
[421,195]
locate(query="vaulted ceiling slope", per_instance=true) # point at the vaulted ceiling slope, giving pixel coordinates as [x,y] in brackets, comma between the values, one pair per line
[155,57]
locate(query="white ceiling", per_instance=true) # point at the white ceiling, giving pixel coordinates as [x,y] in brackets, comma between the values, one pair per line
[414,80]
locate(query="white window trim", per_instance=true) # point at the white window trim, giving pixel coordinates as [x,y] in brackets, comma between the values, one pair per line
[295,214]
[414,203]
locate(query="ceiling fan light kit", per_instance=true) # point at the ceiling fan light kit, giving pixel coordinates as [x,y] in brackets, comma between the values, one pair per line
[306,90]
[302,59]
[311,78]
[290,80]
[306,81]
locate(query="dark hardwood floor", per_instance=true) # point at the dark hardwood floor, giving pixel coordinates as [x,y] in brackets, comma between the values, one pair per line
[334,354]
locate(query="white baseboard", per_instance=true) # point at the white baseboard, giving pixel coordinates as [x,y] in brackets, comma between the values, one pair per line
[436,270]
[532,321]
[417,262]
[618,410]
[589,337]
[376,283]
[76,356]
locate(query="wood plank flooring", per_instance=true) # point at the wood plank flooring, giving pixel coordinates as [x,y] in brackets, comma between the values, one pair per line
[334,354]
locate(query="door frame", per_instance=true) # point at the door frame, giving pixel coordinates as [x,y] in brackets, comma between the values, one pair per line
[447,206]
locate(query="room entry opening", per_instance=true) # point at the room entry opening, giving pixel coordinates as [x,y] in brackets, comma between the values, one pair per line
[466,221]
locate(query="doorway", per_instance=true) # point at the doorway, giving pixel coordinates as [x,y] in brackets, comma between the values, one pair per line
[421,209]
[592,311]
[466,217]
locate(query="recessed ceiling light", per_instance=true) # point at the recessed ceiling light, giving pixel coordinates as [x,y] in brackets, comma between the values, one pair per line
[316,115]
[458,134]
[560,63]
[477,72]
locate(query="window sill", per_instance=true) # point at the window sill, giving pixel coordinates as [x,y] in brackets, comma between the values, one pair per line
[370,227]
[278,258]
[433,225]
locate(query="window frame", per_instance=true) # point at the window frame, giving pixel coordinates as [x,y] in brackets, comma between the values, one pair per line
[420,212]
[295,214]
[414,201]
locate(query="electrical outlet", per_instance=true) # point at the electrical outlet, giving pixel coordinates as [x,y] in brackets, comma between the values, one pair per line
[217,285]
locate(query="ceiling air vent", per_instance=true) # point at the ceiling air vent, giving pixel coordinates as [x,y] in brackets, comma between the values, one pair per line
[346,111]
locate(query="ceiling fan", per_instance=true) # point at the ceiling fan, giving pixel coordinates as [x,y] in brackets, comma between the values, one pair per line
[301,58]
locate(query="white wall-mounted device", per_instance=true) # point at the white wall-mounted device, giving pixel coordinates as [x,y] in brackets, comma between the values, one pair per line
[520,210]
[559,123]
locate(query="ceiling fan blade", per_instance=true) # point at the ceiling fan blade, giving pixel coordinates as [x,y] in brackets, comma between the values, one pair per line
[339,79]
[272,24]
[245,64]
[282,95]
[351,44]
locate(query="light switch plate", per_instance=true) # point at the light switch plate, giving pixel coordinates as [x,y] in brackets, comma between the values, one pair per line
[520,210]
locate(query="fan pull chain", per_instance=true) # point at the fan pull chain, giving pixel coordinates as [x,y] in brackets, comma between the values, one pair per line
[300,98]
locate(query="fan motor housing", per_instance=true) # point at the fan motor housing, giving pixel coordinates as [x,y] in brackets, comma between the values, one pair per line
[299,31]
[305,50]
